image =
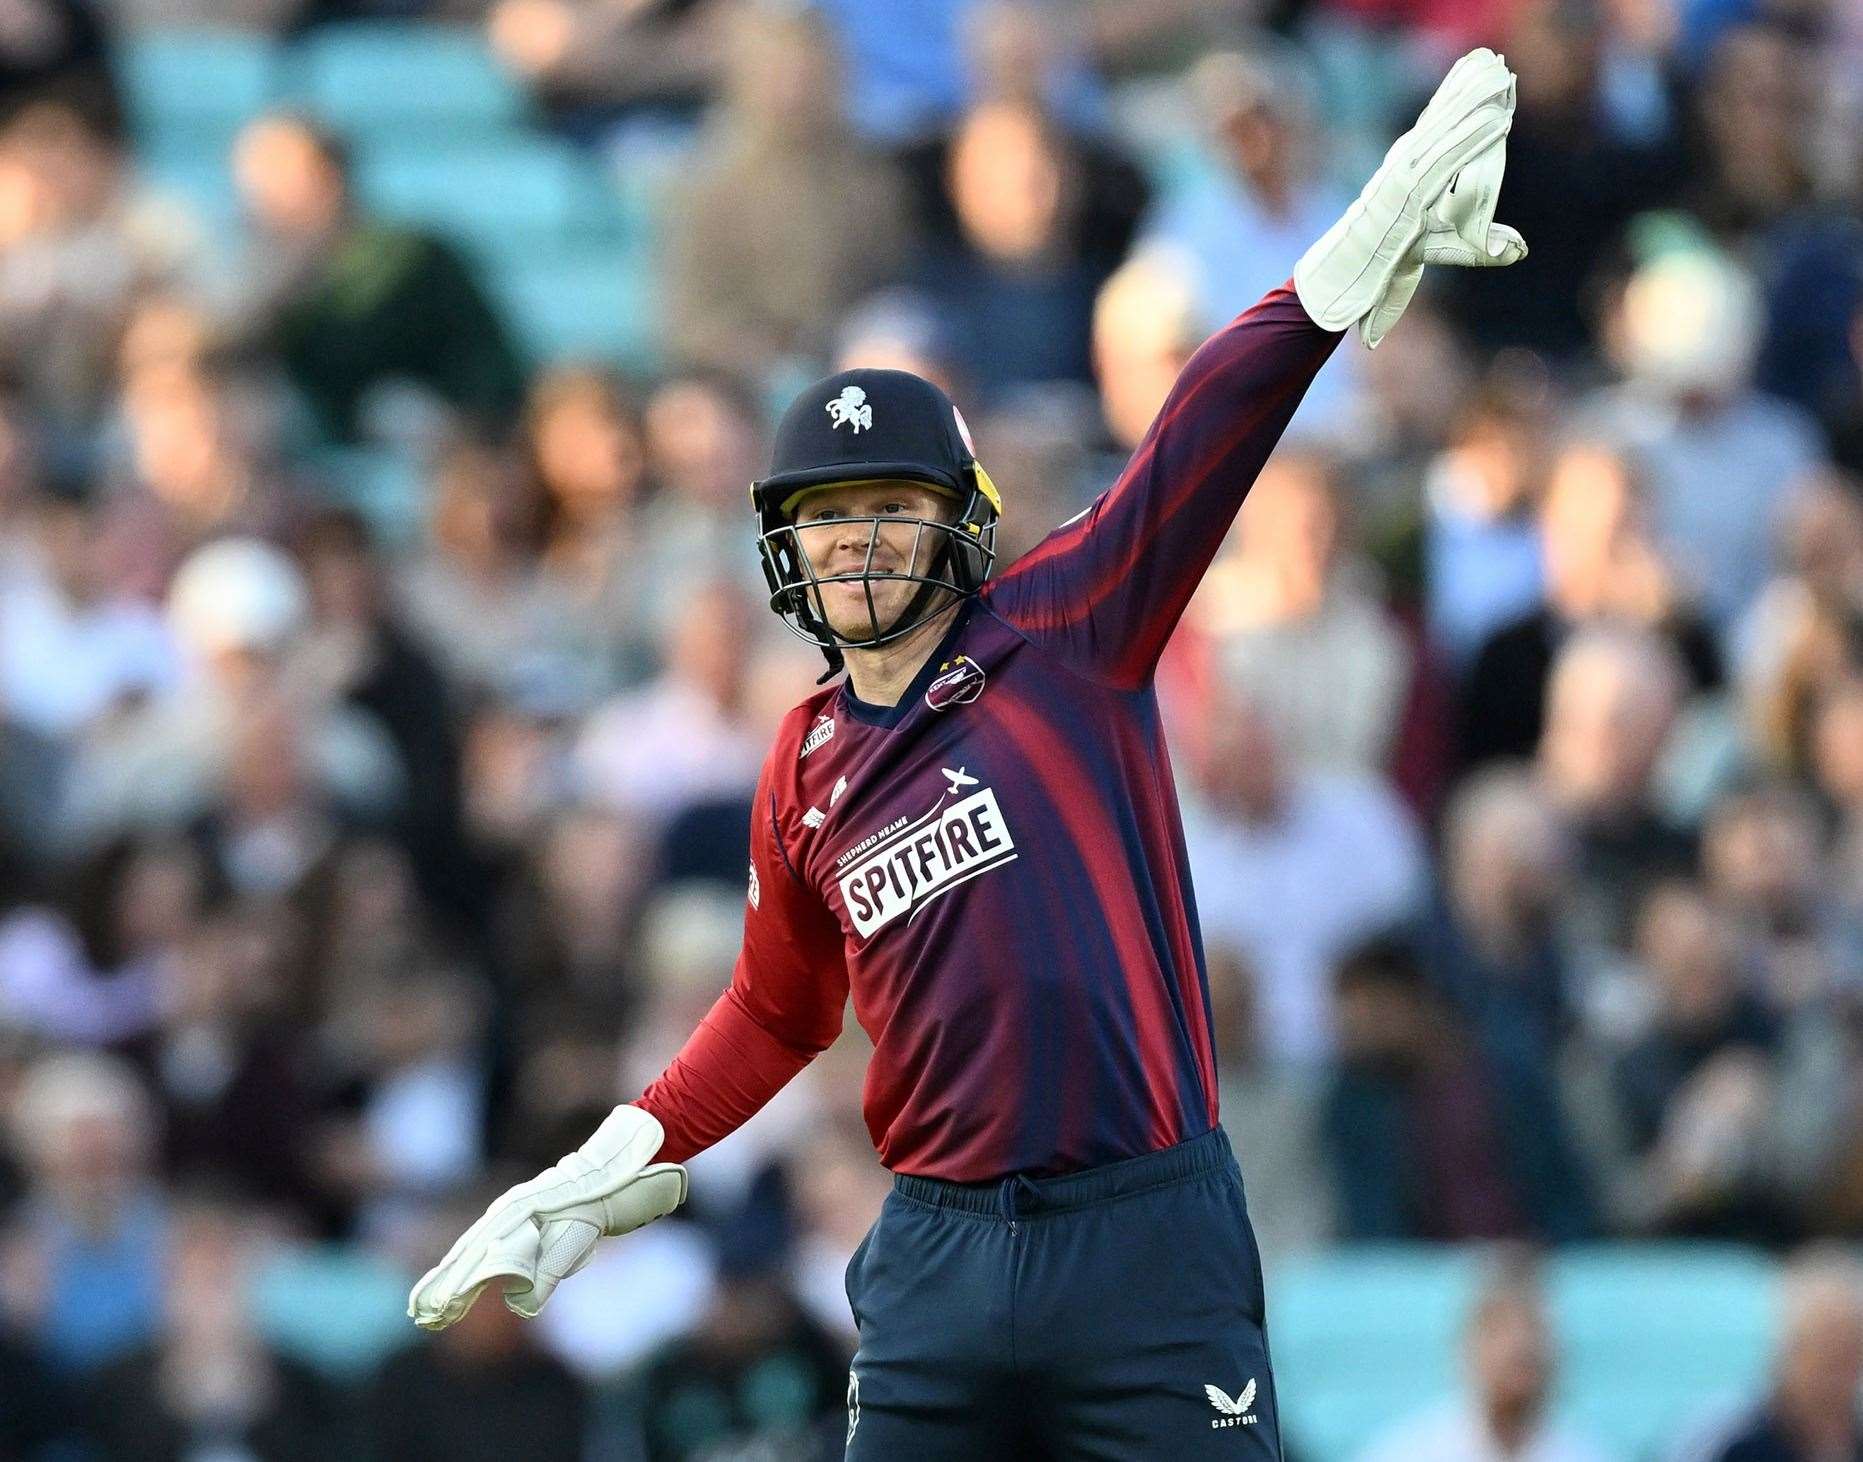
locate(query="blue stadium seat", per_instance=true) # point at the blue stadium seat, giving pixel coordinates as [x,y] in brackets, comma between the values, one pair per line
[580,303]
[502,189]
[207,80]
[198,177]
[385,487]
[1654,1340]
[1363,1336]
[375,77]
[337,1310]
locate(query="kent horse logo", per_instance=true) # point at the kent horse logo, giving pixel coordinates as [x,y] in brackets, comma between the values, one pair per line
[850,409]
[959,682]
[896,872]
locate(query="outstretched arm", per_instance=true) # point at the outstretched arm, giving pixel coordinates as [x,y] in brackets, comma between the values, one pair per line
[783,1008]
[1106,589]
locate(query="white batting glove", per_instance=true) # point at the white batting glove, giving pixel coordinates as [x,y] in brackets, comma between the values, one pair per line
[539,1233]
[1366,267]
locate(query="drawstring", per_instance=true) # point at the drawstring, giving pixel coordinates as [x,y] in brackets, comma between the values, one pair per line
[1006,1195]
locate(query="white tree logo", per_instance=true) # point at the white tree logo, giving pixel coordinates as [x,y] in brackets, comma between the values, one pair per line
[850,408]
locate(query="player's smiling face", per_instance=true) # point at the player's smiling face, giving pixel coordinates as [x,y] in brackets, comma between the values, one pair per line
[837,525]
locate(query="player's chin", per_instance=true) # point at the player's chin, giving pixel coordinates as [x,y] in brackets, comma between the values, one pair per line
[852,616]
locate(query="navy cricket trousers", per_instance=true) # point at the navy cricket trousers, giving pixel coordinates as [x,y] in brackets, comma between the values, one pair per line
[1115,1313]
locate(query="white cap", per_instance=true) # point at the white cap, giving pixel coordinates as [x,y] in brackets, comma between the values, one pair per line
[1691,322]
[236,594]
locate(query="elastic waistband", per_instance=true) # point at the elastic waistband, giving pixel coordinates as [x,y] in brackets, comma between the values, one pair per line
[1020,1196]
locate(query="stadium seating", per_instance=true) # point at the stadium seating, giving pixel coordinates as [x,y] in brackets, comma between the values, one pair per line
[203,82]
[1652,1338]
[584,302]
[369,78]
[503,189]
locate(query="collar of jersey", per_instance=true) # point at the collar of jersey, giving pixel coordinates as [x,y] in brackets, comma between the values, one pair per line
[892,715]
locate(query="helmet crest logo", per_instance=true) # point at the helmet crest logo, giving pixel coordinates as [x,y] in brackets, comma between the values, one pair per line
[850,409]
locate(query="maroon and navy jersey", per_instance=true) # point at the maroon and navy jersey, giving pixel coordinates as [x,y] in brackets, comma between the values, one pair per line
[995,866]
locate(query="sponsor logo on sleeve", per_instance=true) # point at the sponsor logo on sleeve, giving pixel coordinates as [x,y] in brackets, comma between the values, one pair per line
[894,873]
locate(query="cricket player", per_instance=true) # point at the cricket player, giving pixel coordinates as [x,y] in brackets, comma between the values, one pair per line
[976,833]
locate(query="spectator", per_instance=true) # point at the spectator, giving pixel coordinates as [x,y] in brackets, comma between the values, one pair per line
[102,970]
[1481,544]
[1601,567]
[1255,207]
[59,50]
[1412,1125]
[1511,1367]
[1687,1142]
[480,1391]
[1751,109]
[683,738]
[474,591]
[73,647]
[1287,617]
[592,64]
[232,1064]
[786,214]
[209,1382]
[1611,703]
[1762,860]
[369,664]
[705,433]
[1508,862]
[84,1249]
[1296,867]
[1719,458]
[75,251]
[406,1056]
[1563,145]
[1015,285]
[588,454]
[712,1391]
[1811,1408]
[1802,634]
[1495,946]
[423,317]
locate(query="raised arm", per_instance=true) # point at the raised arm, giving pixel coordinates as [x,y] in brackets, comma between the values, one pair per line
[1106,588]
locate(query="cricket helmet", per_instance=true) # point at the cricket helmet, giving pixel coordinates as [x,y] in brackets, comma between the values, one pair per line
[874,426]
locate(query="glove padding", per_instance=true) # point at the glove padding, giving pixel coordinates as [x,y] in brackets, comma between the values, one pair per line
[1459,230]
[1365,268]
[539,1233]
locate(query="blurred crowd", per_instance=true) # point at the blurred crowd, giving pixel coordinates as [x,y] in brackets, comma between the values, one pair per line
[353,864]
